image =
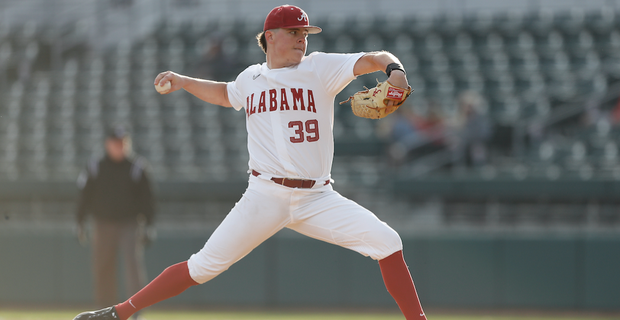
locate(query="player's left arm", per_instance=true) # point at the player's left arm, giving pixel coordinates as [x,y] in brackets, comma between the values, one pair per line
[378,61]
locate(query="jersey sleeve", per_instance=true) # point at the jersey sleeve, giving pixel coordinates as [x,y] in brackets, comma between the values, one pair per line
[234,95]
[336,69]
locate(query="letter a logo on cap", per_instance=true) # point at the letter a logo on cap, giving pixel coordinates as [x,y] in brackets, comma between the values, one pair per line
[303,17]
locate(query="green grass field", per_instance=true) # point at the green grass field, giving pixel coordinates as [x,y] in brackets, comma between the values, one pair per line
[203,315]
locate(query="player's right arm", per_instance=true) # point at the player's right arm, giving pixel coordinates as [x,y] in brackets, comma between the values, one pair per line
[213,92]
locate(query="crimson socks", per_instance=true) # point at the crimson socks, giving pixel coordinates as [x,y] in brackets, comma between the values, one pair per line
[171,282]
[400,285]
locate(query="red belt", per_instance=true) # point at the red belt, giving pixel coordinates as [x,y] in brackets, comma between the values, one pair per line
[292,183]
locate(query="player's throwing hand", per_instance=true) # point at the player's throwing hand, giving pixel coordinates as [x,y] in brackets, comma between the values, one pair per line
[167,82]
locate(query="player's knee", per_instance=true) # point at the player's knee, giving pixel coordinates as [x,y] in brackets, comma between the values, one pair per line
[393,242]
[388,241]
[202,270]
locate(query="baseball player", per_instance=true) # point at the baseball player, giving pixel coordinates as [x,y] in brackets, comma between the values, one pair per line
[289,107]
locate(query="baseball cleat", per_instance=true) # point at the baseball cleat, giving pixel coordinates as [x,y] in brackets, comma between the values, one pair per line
[103,314]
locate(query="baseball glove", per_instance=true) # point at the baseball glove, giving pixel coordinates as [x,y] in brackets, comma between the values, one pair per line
[372,103]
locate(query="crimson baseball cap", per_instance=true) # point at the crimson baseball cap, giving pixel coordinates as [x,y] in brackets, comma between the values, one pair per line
[288,16]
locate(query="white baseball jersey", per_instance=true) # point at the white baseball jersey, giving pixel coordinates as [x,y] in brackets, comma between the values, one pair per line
[290,114]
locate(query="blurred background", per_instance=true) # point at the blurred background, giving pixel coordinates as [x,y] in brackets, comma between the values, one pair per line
[501,172]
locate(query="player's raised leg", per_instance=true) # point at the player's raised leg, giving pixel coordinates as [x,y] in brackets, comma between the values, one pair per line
[345,223]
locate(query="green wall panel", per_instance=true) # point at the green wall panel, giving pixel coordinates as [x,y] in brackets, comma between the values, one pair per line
[463,272]
[601,268]
[460,271]
[29,268]
[309,272]
[540,273]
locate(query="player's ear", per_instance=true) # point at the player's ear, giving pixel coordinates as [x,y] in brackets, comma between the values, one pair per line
[269,35]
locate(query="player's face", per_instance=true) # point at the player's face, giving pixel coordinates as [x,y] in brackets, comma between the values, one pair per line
[290,45]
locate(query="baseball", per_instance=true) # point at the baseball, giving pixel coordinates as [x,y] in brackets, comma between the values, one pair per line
[163,89]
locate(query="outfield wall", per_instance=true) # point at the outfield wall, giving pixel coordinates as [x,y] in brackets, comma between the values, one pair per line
[484,271]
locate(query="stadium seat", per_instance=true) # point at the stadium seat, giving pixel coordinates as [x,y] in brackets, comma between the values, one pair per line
[600,21]
[469,81]
[505,109]
[458,44]
[539,22]
[440,85]
[372,42]
[361,24]
[343,43]
[480,23]
[550,43]
[569,21]
[449,23]
[392,27]
[403,45]
[463,64]
[607,43]
[611,65]
[420,25]
[434,64]
[530,84]
[579,42]
[521,42]
[431,44]
[496,64]
[554,63]
[525,63]
[510,22]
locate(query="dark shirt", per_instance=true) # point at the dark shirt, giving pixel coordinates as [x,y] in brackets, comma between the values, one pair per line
[116,191]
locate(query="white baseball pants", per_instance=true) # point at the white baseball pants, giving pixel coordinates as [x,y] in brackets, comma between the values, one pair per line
[267,207]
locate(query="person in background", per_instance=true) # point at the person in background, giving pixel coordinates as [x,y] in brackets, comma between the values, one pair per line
[411,129]
[116,191]
[470,130]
